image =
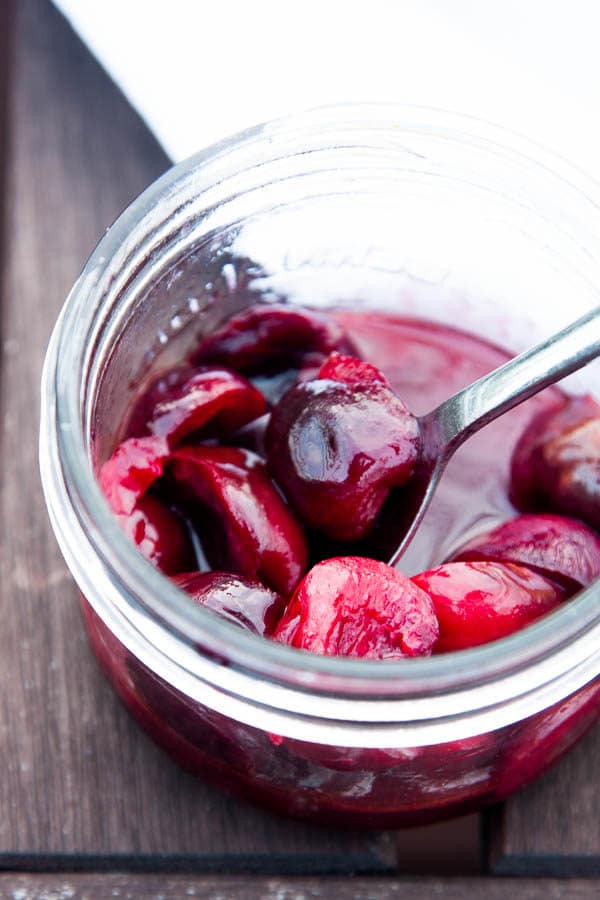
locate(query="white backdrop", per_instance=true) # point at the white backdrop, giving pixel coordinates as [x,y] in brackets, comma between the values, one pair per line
[198,70]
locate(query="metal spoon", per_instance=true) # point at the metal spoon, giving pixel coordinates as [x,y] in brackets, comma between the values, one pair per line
[445,428]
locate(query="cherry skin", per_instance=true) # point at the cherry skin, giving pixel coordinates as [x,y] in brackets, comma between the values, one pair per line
[267,338]
[338,444]
[245,523]
[558,547]
[243,601]
[186,399]
[556,463]
[160,535]
[479,602]
[354,606]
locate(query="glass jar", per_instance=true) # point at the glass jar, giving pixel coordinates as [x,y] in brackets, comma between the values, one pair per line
[400,209]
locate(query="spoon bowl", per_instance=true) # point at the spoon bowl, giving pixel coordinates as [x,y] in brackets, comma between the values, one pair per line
[449,425]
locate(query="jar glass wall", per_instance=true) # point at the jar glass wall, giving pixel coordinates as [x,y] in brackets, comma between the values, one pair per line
[399,210]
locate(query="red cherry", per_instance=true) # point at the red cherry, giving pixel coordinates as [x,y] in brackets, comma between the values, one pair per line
[261,537]
[271,337]
[353,606]
[133,467]
[338,447]
[556,463]
[187,399]
[478,602]
[240,600]
[159,535]
[557,547]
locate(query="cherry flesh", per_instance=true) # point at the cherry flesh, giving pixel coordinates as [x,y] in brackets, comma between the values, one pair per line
[131,470]
[352,606]
[478,602]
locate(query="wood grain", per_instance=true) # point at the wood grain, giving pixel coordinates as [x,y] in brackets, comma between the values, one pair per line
[553,826]
[151,887]
[80,785]
[6,23]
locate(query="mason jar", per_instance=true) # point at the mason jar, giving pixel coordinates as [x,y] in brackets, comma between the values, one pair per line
[404,210]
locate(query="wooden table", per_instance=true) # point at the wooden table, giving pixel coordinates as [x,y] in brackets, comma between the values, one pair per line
[90,808]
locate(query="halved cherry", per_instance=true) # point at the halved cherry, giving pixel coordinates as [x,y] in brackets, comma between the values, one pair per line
[125,479]
[338,444]
[556,463]
[130,471]
[266,338]
[479,602]
[243,521]
[240,600]
[160,535]
[557,547]
[187,399]
[353,606]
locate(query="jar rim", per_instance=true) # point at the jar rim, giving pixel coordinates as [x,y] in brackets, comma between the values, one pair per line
[117,580]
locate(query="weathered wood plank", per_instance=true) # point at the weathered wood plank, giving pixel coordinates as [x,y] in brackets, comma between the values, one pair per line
[182,887]
[6,24]
[80,785]
[553,826]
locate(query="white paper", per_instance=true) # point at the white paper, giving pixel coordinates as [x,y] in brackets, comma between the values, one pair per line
[199,71]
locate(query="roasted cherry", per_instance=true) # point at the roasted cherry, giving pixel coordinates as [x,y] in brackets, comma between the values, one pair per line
[240,600]
[243,521]
[187,399]
[338,444]
[353,606]
[478,602]
[557,547]
[267,338]
[556,463]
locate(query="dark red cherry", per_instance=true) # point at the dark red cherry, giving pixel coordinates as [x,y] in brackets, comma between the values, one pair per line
[160,535]
[133,467]
[353,606]
[338,444]
[557,547]
[266,338]
[478,602]
[556,463]
[187,399]
[240,600]
[243,521]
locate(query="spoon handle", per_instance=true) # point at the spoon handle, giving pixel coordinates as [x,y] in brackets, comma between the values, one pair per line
[517,380]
